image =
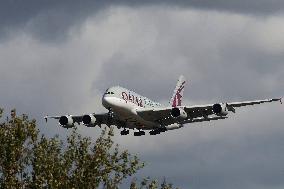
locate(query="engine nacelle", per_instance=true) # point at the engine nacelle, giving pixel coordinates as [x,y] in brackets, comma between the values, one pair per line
[66,121]
[173,126]
[89,120]
[178,113]
[220,109]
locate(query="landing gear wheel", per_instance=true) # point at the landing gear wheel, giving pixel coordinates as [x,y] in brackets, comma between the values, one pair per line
[163,129]
[154,132]
[109,117]
[124,132]
[137,133]
[110,113]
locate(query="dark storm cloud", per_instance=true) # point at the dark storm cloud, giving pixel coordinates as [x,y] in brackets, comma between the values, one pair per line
[51,19]
[48,20]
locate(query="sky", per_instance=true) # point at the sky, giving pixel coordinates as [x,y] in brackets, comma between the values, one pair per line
[58,57]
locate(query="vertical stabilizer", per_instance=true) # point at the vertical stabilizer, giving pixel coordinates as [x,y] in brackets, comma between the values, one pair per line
[178,92]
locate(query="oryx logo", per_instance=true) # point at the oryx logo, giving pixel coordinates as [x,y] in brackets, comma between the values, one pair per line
[178,95]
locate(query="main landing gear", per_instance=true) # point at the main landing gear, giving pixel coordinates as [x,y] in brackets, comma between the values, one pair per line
[154,132]
[124,132]
[157,131]
[139,133]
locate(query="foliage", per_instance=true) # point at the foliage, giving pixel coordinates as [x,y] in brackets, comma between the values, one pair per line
[28,160]
[150,184]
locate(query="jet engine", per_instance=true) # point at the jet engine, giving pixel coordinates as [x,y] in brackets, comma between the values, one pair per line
[178,113]
[220,109]
[89,119]
[174,126]
[66,121]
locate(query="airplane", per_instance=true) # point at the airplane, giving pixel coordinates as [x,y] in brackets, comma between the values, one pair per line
[129,110]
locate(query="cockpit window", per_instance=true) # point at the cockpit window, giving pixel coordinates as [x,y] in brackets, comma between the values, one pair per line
[108,92]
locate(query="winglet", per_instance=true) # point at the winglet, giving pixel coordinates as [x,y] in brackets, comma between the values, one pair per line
[280,100]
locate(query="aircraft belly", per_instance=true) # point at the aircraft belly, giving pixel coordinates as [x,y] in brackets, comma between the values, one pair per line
[126,112]
[133,122]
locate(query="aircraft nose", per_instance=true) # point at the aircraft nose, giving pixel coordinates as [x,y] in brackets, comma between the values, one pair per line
[107,102]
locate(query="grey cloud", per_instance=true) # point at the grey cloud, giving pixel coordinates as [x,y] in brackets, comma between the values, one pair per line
[33,74]
[51,20]
[47,20]
[231,69]
[143,77]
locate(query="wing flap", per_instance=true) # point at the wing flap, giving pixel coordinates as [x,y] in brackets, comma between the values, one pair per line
[203,119]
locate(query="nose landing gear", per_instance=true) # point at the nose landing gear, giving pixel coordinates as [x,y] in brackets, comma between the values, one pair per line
[110,116]
[110,113]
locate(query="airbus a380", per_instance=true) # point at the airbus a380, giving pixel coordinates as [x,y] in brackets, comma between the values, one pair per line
[129,110]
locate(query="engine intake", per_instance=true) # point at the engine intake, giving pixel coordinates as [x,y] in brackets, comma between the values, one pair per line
[220,109]
[178,113]
[66,121]
[89,119]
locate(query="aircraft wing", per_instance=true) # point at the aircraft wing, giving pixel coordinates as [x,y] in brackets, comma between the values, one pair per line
[163,115]
[100,118]
[202,110]
[76,119]
[249,103]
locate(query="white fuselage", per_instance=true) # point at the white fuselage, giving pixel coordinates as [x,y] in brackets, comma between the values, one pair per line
[125,103]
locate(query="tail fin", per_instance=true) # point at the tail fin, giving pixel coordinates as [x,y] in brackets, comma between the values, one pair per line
[178,92]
